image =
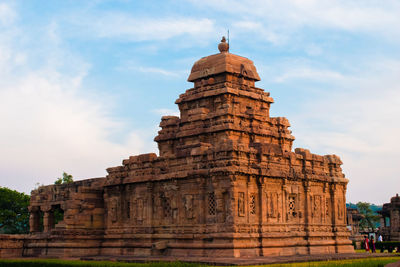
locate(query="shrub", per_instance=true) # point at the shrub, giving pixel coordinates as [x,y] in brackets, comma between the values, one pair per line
[389,245]
[354,243]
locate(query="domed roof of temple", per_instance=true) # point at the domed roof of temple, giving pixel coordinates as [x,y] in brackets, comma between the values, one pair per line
[222,63]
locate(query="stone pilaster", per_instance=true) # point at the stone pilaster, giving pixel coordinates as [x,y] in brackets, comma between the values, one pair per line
[48,218]
[34,219]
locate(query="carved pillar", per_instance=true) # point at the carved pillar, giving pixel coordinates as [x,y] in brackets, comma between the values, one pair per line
[333,205]
[150,204]
[324,204]
[334,213]
[382,221]
[34,219]
[307,204]
[263,206]
[307,212]
[203,205]
[344,204]
[246,200]
[285,196]
[48,218]
[394,220]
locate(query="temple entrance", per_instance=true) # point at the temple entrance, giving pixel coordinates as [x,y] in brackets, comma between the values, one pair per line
[58,215]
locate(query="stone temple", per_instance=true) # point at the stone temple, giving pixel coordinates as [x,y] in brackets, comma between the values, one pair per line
[390,220]
[226,183]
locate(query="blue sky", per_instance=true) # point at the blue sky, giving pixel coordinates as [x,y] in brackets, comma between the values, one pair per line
[83,84]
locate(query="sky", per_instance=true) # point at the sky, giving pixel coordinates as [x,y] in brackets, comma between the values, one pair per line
[83,84]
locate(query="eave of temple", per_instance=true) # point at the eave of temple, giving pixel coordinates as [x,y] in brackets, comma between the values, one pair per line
[223,62]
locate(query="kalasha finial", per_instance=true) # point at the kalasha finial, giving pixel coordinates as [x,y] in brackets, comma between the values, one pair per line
[223,45]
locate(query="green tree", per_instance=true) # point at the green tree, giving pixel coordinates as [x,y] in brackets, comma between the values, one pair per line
[66,179]
[14,214]
[370,218]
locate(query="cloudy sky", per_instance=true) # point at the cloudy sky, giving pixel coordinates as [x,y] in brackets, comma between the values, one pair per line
[83,84]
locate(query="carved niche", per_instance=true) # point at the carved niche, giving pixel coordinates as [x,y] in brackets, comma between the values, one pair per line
[340,209]
[316,211]
[241,211]
[113,211]
[225,197]
[272,205]
[139,211]
[328,209]
[188,204]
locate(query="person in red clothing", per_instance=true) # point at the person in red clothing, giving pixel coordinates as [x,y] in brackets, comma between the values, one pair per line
[372,244]
[366,243]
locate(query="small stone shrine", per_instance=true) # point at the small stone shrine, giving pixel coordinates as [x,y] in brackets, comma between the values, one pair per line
[390,220]
[226,183]
[353,224]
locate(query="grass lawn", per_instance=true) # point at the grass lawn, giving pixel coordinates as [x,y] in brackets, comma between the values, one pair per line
[377,251]
[73,263]
[368,262]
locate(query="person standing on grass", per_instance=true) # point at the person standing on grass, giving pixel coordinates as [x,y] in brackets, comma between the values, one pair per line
[380,238]
[372,244]
[366,243]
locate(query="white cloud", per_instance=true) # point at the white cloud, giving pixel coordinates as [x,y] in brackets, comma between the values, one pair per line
[127,27]
[357,120]
[51,128]
[158,71]
[307,73]
[167,112]
[133,66]
[271,35]
[51,123]
[7,14]
[277,21]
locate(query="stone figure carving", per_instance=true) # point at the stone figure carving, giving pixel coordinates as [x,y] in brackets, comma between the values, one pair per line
[188,204]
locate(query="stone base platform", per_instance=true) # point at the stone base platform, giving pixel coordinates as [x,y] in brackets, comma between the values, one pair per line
[245,261]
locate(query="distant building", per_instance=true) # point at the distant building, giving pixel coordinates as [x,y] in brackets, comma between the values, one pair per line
[353,224]
[390,220]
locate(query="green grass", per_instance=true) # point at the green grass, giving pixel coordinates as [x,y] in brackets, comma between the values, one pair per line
[73,263]
[367,262]
[377,251]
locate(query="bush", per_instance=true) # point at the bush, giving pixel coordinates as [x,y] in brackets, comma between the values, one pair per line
[389,245]
[354,243]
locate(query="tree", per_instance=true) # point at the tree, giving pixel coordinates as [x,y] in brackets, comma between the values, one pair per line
[14,214]
[66,179]
[370,218]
